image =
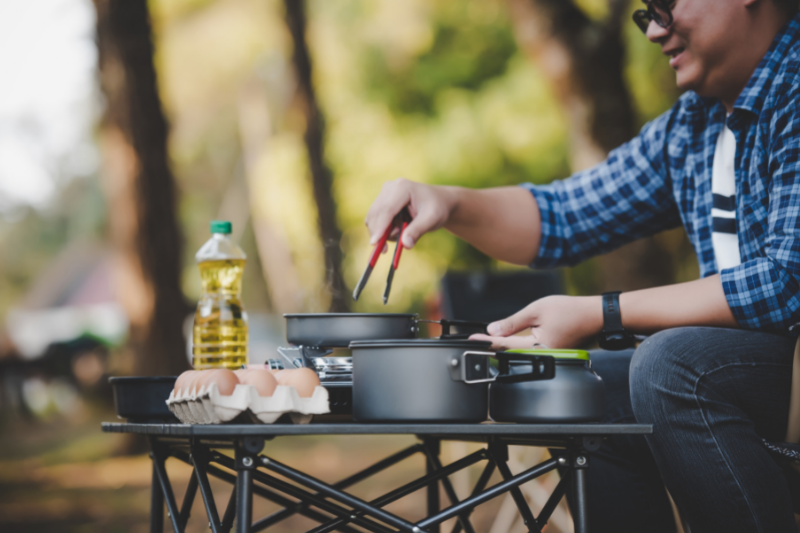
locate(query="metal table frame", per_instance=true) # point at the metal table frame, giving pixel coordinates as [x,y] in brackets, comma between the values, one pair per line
[251,473]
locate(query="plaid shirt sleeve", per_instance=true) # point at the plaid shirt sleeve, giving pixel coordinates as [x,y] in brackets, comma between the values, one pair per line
[624,198]
[764,293]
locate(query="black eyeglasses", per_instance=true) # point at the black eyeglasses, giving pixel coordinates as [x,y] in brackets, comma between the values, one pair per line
[657,10]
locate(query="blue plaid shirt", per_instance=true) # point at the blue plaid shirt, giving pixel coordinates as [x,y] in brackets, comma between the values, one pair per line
[662,178]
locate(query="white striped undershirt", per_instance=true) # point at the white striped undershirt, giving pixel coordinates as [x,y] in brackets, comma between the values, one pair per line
[724,238]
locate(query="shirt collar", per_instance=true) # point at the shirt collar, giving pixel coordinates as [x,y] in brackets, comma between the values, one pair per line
[753,96]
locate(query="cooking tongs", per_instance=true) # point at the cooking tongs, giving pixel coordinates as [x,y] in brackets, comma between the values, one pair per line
[400,221]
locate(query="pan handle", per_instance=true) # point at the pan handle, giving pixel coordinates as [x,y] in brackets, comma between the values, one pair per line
[473,367]
[475,327]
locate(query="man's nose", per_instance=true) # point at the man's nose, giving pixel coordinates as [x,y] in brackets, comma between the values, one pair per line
[656,33]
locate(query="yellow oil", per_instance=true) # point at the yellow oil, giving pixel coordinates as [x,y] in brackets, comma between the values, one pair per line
[220,322]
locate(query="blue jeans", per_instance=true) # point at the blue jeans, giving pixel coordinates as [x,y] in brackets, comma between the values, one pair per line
[711,395]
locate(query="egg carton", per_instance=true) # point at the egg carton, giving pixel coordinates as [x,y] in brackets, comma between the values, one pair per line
[208,406]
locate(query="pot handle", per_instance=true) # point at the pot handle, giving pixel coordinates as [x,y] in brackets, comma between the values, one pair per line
[470,367]
[544,367]
[473,367]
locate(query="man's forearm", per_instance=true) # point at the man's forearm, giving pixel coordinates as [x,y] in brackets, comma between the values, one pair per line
[694,303]
[503,222]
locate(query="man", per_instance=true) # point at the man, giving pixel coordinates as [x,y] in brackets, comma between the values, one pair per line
[714,377]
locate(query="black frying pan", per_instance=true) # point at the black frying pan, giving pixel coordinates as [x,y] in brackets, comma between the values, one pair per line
[337,330]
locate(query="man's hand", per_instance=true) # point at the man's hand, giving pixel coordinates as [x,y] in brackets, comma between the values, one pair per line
[554,321]
[570,321]
[502,222]
[430,207]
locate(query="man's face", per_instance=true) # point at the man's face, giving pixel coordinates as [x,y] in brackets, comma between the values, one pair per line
[701,42]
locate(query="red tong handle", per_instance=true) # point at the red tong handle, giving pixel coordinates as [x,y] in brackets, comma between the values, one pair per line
[376,253]
[399,249]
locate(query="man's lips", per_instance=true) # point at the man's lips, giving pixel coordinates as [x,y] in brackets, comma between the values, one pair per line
[674,55]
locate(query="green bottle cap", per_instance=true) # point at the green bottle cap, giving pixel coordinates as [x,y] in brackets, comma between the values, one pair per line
[221,226]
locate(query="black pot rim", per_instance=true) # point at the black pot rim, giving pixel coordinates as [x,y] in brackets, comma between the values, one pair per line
[422,343]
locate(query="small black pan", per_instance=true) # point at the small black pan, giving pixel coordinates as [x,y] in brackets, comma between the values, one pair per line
[143,399]
[337,330]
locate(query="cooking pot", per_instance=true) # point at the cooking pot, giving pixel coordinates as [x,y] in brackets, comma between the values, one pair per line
[576,394]
[430,380]
[337,330]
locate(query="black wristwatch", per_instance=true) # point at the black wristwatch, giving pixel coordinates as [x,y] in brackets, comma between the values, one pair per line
[614,336]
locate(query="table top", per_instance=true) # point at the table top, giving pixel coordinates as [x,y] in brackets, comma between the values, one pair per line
[485,429]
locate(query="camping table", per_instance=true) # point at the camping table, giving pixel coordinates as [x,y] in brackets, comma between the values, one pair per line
[253,473]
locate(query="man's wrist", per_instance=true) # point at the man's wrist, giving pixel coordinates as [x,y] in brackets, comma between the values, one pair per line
[453,197]
[594,314]
[614,336]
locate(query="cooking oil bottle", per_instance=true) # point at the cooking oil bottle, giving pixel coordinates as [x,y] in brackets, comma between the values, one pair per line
[220,322]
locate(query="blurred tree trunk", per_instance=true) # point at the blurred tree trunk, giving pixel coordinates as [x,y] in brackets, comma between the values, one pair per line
[140,190]
[321,177]
[583,60]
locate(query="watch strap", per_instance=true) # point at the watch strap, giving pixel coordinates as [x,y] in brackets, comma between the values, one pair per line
[614,336]
[612,317]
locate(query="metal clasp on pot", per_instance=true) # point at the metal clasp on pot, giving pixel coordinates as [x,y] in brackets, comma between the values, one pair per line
[471,367]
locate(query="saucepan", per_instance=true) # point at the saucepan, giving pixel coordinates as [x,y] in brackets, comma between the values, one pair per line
[432,380]
[577,393]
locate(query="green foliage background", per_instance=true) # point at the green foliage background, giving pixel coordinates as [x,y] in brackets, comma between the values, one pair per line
[435,91]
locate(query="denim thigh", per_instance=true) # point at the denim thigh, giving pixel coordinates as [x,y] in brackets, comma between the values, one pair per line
[712,394]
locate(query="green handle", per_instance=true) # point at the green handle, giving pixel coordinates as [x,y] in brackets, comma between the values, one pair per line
[582,355]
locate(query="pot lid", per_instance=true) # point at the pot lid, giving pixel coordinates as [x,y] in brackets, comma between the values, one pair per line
[426,343]
[572,355]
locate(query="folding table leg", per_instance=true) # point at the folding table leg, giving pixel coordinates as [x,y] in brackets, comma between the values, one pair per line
[579,464]
[244,500]
[478,488]
[200,461]
[156,502]
[247,451]
[493,492]
[552,502]
[188,501]
[499,451]
[227,518]
[166,490]
[433,447]
[463,519]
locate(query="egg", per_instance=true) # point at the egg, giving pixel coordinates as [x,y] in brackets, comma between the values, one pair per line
[183,380]
[262,380]
[192,381]
[304,380]
[225,379]
[202,379]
